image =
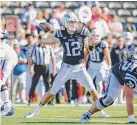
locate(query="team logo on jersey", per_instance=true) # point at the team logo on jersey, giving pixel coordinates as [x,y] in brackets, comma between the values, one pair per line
[79,39]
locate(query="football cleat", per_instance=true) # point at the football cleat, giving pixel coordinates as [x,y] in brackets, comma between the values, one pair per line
[85,118]
[2,108]
[104,115]
[8,113]
[132,122]
[31,114]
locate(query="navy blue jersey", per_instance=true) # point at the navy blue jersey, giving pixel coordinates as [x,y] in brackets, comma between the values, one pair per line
[126,72]
[98,54]
[73,45]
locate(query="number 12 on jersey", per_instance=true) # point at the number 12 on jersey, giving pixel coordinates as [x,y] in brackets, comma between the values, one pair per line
[73,49]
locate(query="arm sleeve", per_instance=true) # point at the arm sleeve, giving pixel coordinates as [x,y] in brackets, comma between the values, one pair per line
[104,44]
[85,32]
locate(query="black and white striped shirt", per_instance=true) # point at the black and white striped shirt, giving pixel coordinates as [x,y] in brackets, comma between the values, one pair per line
[41,55]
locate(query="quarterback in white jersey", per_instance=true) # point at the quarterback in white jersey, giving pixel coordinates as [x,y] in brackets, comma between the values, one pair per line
[8,59]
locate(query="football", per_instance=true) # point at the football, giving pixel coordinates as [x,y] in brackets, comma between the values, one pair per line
[46,27]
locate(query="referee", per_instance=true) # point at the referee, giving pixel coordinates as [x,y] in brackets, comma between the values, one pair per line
[39,65]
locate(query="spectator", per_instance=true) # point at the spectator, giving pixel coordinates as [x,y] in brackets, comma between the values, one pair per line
[28,14]
[105,15]
[28,27]
[60,12]
[95,14]
[39,19]
[19,75]
[40,58]
[116,26]
[3,22]
[101,24]
[46,15]
[54,21]
[130,27]
[21,39]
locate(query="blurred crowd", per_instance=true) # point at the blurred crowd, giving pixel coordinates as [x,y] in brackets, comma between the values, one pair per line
[109,24]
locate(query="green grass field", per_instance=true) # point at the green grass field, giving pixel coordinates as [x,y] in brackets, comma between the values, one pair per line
[66,115]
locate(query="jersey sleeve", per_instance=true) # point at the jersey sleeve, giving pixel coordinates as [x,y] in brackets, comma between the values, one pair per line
[131,78]
[58,34]
[85,32]
[104,44]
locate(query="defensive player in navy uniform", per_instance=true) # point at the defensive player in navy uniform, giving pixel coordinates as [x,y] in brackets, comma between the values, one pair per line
[99,63]
[74,44]
[123,74]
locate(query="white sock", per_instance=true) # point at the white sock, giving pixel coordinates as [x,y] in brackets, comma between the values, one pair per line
[89,112]
[40,105]
[7,106]
[5,99]
[102,112]
[131,118]
[5,96]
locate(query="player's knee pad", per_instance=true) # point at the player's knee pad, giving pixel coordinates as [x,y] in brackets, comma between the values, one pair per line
[104,102]
[3,88]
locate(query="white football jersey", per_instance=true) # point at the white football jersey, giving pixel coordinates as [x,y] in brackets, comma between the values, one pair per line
[6,52]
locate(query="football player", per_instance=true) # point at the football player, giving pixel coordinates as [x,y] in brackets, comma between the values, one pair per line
[8,59]
[123,74]
[99,63]
[128,40]
[72,67]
